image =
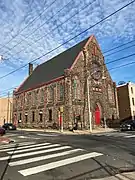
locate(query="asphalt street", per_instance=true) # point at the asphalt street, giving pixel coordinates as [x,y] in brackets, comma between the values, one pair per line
[54,156]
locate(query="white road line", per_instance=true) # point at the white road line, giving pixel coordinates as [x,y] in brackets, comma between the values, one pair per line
[24,147]
[33,149]
[53,165]
[22,137]
[117,135]
[130,136]
[48,134]
[19,144]
[30,160]
[35,153]
[10,135]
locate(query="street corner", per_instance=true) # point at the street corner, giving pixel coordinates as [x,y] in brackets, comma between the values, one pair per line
[5,140]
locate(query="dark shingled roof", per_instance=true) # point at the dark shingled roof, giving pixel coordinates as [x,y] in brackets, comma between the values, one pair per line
[53,68]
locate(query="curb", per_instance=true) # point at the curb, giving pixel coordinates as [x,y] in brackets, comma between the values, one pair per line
[69,132]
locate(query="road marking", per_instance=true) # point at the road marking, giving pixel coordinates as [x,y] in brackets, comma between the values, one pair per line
[12,145]
[30,160]
[34,153]
[10,135]
[53,165]
[112,134]
[130,136]
[48,134]
[33,149]
[22,137]
[24,147]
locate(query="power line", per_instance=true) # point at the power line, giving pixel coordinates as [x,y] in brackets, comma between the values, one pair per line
[36,18]
[40,27]
[124,65]
[70,39]
[5,90]
[118,46]
[101,65]
[84,7]
[125,57]
[120,50]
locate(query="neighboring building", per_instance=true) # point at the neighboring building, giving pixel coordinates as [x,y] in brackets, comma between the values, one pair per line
[57,89]
[5,110]
[126,100]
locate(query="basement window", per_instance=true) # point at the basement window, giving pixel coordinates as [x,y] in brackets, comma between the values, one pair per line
[50,114]
[33,116]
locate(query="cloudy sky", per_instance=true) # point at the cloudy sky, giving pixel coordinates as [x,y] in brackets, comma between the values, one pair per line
[32,28]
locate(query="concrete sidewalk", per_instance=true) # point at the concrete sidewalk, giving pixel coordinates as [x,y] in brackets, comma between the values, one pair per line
[99,130]
[123,176]
[4,140]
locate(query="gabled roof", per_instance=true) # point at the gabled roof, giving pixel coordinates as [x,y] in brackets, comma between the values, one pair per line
[52,68]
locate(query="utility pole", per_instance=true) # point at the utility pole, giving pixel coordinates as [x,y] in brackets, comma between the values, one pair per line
[88,90]
[89,111]
[8,107]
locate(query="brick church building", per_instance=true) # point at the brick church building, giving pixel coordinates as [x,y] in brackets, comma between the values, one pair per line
[72,87]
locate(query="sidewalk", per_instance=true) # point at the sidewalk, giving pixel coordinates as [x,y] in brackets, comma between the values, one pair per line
[4,140]
[123,176]
[99,130]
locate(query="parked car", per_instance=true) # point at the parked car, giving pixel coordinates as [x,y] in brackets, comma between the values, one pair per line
[9,126]
[128,125]
[2,131]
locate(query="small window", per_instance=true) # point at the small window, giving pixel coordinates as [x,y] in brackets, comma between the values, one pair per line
[50,114]
[133,101]
[132,90]
[41,115]
[33,116]
[26,118]
[20,118]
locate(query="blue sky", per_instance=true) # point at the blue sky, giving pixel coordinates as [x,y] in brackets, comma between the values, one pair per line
[31,28]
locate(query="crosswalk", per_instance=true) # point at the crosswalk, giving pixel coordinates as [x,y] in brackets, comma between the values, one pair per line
[115,134]
[56,154]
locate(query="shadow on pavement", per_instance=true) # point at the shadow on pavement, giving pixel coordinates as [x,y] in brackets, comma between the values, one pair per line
[8,161]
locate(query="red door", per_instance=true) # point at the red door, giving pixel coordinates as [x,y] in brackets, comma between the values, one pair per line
[97,115]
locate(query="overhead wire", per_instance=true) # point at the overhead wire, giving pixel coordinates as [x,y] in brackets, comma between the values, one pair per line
[40,26]
[120,50]
[123,65]
[118,47]
[84,7]
[102,20]
[36,18]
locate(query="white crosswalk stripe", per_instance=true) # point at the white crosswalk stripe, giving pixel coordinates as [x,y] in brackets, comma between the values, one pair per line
[43,157]
[35,153]
[53,165]
[33,149]
[24,147]
[3,147]
[115,134]
[57,155]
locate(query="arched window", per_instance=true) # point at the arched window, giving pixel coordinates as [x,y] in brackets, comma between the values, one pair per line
[76,88]
[61,92]
[42,95]
[50,94]
[110,94]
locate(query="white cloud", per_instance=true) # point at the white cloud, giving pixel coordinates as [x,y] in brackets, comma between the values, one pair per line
[18,14]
